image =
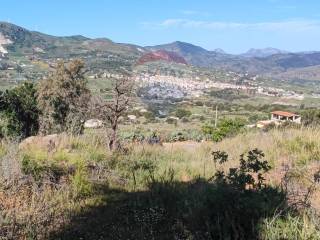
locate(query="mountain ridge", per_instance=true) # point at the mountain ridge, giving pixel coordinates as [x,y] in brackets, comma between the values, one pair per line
[263,52]
[261,61]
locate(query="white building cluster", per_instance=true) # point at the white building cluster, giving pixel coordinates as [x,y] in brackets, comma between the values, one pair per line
[195,87]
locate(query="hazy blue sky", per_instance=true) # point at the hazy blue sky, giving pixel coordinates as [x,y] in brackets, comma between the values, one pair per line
[233,25]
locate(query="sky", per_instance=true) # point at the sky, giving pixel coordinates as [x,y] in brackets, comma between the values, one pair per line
[233,25]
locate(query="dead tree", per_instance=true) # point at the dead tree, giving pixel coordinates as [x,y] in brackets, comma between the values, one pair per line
[114,105]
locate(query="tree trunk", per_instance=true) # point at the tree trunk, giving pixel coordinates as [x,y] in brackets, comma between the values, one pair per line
[113,137]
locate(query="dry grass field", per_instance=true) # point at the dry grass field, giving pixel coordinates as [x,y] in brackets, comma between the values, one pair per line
[45,188]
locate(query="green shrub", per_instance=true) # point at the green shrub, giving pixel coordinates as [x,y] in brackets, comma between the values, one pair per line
[137,167]
[253,118]
[150,116]
[33,168]
[228,206]
[42,169]
[180,113]
[311,117]
[195,135]
[184,135]
[97,155]
[133,136]
[19,111]
[177,136]
[225,128]
[185,120]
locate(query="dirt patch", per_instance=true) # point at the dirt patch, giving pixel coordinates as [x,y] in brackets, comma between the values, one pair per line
[4,41]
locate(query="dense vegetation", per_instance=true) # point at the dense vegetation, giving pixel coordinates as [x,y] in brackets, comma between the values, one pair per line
[19,111]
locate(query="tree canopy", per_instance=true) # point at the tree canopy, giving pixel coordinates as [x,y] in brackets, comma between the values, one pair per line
[19,110]
[63,99]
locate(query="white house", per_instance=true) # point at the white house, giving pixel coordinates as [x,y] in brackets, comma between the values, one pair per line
[278,117]
[285,116]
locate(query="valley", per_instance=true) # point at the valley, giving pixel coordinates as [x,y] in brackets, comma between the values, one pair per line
[29,52]
[106,140]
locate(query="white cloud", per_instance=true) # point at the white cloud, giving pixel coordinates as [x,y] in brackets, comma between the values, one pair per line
[286,25]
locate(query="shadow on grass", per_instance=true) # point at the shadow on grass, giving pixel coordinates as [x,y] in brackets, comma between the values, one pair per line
[177,210]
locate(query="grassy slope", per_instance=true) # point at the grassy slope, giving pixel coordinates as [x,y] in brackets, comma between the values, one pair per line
[108,194]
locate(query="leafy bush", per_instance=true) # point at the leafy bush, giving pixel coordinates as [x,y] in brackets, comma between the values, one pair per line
[180,113]
[241,194]
[242,177]
[19,110]
[311,117]
[225,128]
[177,136]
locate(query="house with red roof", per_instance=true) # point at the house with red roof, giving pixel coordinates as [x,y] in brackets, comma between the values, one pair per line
[285,116]
[278,117]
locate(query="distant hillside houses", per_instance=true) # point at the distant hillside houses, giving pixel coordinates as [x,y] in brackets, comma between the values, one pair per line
[195,87]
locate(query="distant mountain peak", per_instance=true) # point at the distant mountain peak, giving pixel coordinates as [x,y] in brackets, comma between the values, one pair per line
[9,25]
[219,50]
[263,52]
[78,37]
[179,47]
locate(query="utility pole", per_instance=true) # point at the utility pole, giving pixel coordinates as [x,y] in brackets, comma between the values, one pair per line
[216,118]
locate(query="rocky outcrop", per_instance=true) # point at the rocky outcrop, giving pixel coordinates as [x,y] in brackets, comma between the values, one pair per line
[161,55]
[93,123]
[48,142]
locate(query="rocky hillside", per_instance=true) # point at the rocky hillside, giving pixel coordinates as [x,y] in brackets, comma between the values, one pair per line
[161,55]
[28,42]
